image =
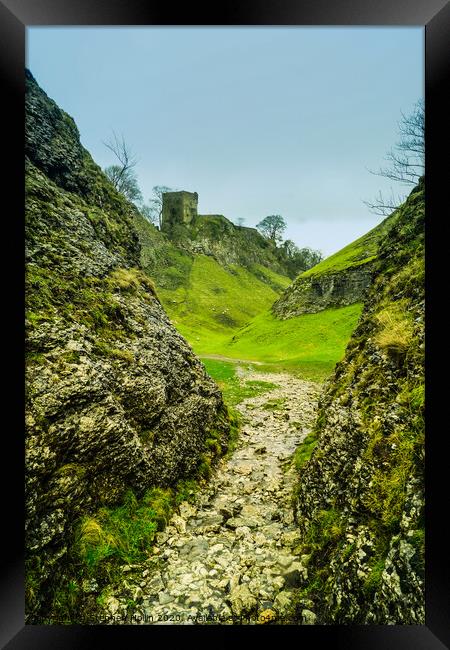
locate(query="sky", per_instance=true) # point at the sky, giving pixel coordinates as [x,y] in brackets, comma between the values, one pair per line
[257,120]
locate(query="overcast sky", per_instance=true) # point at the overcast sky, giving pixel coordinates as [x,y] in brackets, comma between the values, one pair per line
[258,121]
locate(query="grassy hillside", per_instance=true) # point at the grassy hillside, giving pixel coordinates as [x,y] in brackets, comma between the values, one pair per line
[206,300]
[359,252]
[165,263]
[309,345]
[338,281]
[215,301]
[225,309]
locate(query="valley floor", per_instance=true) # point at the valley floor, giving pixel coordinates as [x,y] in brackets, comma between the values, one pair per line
[230,555]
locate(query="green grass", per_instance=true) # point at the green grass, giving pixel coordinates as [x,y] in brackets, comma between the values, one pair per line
[304,450]
[360,251]
[373,578]
[214,301]
[220,370]
[234,389]
[125,532]
[309,345]
[274,280]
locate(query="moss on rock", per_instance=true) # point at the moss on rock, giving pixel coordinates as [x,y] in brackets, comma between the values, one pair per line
[367,465]
[104,367]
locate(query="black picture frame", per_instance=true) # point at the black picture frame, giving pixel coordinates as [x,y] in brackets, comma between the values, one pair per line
[15,16]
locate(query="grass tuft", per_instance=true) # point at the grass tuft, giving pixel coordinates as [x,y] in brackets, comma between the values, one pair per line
[396,329]
[304,450]
[130,280]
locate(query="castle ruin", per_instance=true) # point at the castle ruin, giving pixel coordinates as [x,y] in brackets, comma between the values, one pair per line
[178,208]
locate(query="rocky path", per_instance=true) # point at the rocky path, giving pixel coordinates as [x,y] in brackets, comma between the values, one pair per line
[231,554]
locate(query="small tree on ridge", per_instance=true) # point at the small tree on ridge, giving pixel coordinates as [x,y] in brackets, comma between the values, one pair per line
[272,227]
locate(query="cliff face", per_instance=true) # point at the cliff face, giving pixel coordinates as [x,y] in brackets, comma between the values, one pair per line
[315,293]
[360,499]
[340,280]
[116,399]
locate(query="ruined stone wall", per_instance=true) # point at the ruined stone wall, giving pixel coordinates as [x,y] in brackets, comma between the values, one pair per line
[178,208]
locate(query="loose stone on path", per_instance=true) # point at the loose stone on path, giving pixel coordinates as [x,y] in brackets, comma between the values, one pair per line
[231,553]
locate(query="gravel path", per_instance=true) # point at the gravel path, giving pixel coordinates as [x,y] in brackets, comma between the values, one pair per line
[230,555]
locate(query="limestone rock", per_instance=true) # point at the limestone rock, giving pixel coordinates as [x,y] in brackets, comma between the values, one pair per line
[369,550]
[283,601]
[112,605]
[312,294]
[308,617]
[116,399]
[242,601]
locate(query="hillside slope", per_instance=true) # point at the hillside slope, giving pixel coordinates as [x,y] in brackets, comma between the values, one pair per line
[307,328]
[360,500]
[217,236]
[117,403]
[210,278]
[309,345]
[337,281]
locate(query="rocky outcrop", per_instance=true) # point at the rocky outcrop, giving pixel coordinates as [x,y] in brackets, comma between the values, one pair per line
[312,294]
[116,399]
[215,235]
[360,500]
[340,280]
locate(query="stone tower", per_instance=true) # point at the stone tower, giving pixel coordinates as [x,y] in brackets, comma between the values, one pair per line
[178,208]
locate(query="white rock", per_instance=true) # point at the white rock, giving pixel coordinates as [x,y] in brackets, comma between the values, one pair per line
[112,605]
[242,601]
[308,617]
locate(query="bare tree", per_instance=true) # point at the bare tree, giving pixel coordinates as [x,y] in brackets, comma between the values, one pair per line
[385,205]
[156,204]
[240,221]
[406,160]
[123,176]
[272,227]
[149,214]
